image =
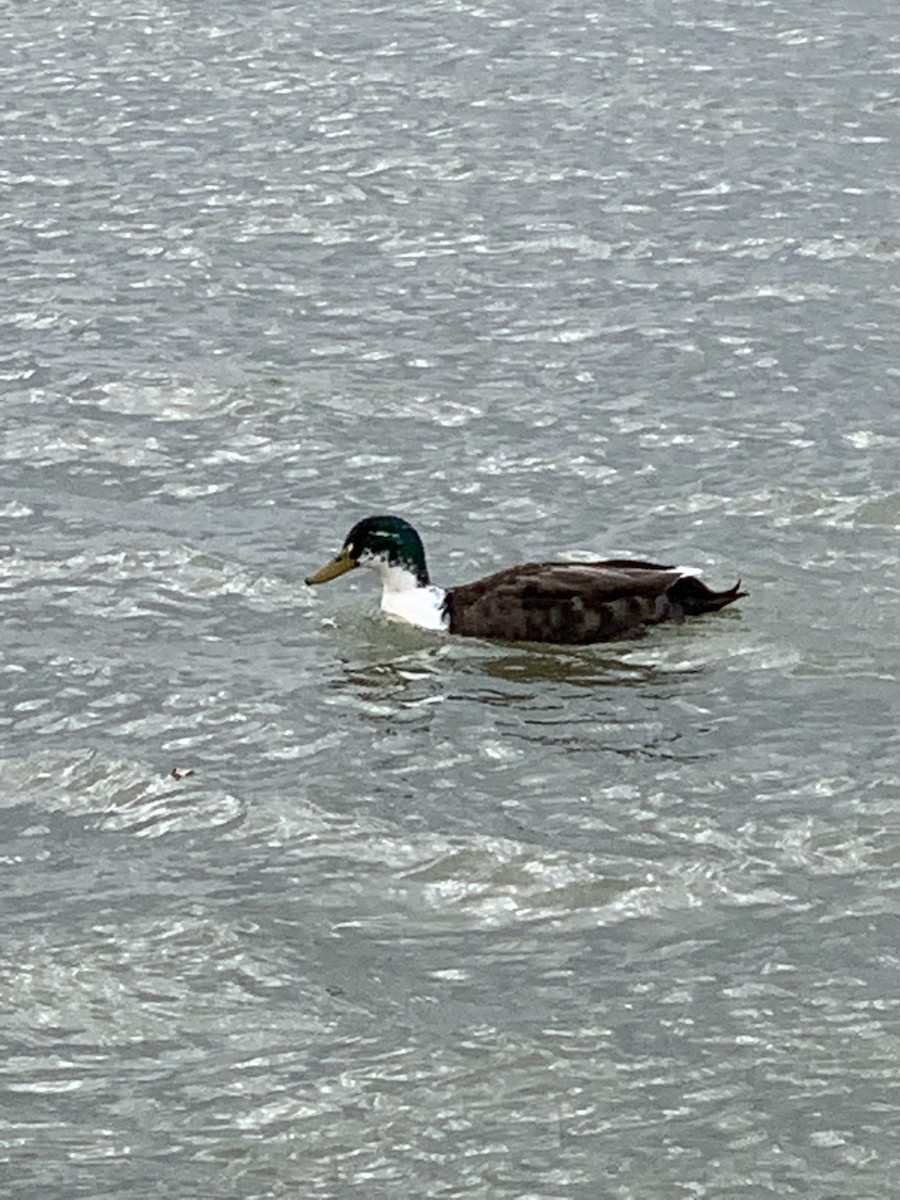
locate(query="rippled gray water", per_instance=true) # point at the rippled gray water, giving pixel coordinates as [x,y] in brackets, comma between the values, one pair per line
[436,918]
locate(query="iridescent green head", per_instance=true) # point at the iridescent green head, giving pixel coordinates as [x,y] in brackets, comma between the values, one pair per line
[376,541]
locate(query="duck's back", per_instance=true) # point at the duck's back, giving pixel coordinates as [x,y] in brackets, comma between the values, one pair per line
[577,603]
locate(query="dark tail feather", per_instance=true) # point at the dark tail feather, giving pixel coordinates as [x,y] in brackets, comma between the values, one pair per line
[695,597]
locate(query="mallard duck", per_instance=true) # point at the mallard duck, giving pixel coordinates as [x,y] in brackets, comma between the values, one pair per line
[562,602]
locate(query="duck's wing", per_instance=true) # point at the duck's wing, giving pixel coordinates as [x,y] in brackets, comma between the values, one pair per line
[577,602]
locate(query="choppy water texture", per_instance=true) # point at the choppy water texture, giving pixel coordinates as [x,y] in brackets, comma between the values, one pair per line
[431,918]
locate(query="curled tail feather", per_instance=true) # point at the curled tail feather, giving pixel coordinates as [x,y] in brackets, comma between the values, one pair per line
[695,597]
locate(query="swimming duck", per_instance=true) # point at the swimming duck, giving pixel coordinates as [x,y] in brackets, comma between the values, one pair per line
[562,602]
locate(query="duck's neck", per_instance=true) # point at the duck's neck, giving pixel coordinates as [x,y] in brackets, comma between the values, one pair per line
[405,597]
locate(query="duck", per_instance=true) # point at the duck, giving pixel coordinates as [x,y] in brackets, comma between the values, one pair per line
[567,603]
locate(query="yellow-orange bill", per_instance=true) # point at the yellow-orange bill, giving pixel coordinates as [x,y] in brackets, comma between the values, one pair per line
[339,565]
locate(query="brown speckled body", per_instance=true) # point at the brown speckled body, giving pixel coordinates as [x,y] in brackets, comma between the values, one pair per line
[578,603]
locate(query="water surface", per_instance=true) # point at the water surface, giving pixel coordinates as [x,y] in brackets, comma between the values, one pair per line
[413,916]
